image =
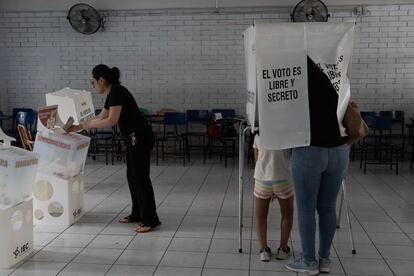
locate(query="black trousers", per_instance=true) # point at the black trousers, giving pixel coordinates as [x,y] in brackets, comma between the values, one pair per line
[139,181]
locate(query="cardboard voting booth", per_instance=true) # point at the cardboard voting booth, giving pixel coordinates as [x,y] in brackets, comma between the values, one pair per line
[16,233]
[72,103]
[17,171]
[276,57]
[59,186]
[57,200]
[60,153]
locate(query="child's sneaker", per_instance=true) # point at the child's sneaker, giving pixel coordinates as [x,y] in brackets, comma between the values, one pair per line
[283,254]
[324,265]
[301,265]
[265,254]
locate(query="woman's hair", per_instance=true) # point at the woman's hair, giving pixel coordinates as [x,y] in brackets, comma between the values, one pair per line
[110,75]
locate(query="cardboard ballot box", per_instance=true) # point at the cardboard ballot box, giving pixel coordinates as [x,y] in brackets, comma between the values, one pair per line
[16,233]
[72,103]
[60,153]
[56,200]
[18,168]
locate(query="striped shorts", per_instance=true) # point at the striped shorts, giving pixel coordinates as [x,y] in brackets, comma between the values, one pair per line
[265,189]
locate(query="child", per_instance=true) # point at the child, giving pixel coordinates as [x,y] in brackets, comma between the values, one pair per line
[273,180]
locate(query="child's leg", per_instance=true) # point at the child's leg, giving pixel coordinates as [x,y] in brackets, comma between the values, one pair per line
[286,223]
[262,208]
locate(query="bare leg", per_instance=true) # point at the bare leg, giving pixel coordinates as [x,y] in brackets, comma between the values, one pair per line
[262,209]
[286,223]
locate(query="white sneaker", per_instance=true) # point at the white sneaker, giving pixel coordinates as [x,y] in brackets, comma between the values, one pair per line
[324,265]
[283,254]
[265,254]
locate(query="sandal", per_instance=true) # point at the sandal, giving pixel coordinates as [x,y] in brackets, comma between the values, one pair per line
[142,228]
[128,219]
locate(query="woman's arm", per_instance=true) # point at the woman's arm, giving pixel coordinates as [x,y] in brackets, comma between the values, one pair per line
[106,119]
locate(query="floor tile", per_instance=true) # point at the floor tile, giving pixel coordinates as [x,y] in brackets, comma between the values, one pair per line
[227,261]
[38,269]
[56,254]
[98,256]
[183,259]
[76,269]
[127,270]
[177,271]
[136,257]
[190,244]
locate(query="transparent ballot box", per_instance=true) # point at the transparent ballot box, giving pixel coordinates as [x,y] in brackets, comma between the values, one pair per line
[72,103]
[61,154]
[18,169]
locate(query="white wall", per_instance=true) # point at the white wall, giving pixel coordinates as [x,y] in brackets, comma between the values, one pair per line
[190,58]
[59,5]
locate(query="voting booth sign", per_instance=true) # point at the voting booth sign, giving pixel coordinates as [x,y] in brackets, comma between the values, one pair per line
[278,54]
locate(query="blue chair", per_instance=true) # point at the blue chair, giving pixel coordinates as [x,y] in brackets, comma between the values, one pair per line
[174,132]
[197,121]
[379,148]
[398,121]
[228,137]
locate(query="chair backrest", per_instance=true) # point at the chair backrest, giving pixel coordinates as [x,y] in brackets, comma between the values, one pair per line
[1,120]
[225,113]
[25,137]
[198,115]
[383,123]
[26,118]
[175,118]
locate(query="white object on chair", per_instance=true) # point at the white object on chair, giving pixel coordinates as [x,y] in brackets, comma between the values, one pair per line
[6,139]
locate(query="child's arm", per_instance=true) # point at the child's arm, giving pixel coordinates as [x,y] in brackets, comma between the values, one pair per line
[256,153]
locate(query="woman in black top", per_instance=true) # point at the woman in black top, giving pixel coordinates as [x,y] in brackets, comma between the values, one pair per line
[318,171]
[120,108]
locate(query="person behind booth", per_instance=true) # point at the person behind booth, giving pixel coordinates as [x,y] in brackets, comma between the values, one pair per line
[318,171]
[121,108]
[273,181]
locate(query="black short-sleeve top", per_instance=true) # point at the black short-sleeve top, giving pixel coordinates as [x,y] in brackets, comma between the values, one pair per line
[131,118]
[323,102]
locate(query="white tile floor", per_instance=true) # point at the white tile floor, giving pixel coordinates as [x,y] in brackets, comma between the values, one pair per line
[198,207]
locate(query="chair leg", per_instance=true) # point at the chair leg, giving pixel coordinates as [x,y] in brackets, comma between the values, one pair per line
[396,160]
[365,161]
[156,152]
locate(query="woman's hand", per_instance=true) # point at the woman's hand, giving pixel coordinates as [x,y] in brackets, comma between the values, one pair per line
[75,128]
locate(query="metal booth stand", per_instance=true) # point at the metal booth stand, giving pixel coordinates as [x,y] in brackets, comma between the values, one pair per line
[242,131]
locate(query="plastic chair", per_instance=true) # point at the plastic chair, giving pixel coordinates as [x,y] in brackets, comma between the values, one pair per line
[25,137]
[197,120]
[398,120]
[225,120]
[378,148]
[174,131]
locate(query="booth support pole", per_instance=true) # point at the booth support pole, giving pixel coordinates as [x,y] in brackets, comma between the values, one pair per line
[242,132]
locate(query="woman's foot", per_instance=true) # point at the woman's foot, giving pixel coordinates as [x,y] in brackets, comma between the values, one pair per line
[142,228]
[128,219]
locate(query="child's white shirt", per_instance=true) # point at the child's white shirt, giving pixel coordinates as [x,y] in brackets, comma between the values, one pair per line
[271,164]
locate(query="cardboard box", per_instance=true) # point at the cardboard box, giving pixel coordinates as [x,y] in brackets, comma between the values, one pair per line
[60,153]
[71,102]
[18,168]
[57,201]
[16,233]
